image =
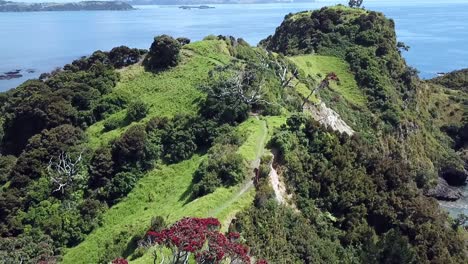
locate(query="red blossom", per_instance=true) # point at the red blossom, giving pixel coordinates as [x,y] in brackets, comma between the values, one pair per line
[201,236]
[261,261]
[119,261]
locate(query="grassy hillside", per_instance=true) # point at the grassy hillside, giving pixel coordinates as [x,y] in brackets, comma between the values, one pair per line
[165,191]
[167,93]
[319,66]
[182,130]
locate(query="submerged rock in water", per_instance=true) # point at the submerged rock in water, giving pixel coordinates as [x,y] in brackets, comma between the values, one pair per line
[443,191]
[11,75]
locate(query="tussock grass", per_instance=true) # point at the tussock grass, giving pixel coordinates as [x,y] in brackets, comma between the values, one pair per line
[168,93]
[319,66]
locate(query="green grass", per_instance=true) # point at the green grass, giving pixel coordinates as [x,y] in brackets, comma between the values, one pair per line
[256,132]
[165,192]
[171,92]
[319,66]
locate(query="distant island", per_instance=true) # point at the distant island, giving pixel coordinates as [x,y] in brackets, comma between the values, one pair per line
[9,6]
[205,2]
[196,7]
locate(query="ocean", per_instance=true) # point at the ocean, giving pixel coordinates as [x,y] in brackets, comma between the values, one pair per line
[41,41]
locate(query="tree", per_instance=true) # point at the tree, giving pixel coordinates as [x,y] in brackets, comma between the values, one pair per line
[123,56]
[183,41]
[129,149]
[137,110]
[402,46]
[65,172]
[200,237]
[224,167]
[163,53]
[355,3]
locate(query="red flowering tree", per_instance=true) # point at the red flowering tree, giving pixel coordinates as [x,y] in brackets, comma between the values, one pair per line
[202,238]
[119,261]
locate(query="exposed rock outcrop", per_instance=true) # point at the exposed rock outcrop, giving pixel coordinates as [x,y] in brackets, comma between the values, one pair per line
[443,191]
[328,117]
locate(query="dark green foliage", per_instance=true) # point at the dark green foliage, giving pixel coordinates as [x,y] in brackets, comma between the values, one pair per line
[280,235]
[27,249]
[457,80]
[29,169]
[129,149]
[6,165]
[121,184]
[367,192]
[178,139]
[355,3]
[163,53]
[365,39]
[24,118]
[114,172]
[181,136]
[226,110]
[223,167]
[394,248]
[137,110]
[123,56]
[459,134]
[183,41]
[68,96]
[101,168]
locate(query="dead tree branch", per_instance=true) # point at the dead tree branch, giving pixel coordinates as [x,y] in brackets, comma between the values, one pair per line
[64,171]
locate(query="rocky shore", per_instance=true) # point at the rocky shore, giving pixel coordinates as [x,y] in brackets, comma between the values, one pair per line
[15,74]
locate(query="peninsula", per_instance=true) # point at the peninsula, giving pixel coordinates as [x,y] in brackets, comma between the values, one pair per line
[9,6]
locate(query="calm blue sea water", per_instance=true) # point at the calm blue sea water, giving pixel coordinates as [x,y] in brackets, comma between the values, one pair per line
[437,33]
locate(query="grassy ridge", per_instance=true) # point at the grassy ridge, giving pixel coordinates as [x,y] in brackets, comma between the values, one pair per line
[165,192]
[168,93]
[319,66]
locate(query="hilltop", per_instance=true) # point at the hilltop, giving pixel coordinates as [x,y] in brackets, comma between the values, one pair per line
[319,146]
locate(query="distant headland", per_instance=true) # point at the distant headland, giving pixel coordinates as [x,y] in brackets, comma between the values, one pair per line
[196,7]
[9,6]
[206,2]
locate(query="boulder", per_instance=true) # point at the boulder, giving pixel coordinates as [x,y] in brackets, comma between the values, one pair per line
[443,191]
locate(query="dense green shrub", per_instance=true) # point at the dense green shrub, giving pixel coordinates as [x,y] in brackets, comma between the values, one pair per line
[163,53]
[365,39]
[223,167]
[321,166]
[101,168]
[124,56]
[27,249]
[183,41]
[137,110]
[129,149]
[6,165]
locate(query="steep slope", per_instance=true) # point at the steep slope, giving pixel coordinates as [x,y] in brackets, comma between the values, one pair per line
[389,97]
[362,196]
[152,145]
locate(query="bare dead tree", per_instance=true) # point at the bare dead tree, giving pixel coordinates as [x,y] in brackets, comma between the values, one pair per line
[286,73]
[241,86]
[323,84]
[64,171]
[284,70]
